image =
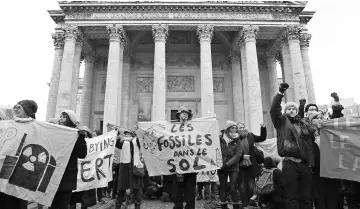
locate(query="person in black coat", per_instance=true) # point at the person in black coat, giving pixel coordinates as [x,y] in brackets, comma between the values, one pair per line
[69,180]
[249,165]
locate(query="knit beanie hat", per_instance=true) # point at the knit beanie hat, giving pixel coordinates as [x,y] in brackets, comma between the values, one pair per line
[291,104]
[229,123]
[312,115]
[30,107]
[71,115]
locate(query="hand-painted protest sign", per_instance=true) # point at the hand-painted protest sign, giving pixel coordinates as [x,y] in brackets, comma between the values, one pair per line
[207,176]
[33,158]
[95,171]
[340,148]
[170,148]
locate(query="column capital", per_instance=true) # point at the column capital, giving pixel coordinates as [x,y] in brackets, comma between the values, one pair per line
[71,32]
[205,32]
[304,39]
[116,33]
[270,57]
[234,56]
[160,32]
[249,32]
[292,32]
[58,40]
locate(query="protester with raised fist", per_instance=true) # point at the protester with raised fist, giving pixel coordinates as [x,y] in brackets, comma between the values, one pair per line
[336,107]
[69,180]
[294,143]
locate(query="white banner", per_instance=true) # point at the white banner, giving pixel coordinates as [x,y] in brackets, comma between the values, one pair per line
[95,171]
[33,158]
[269,147]
[170,148]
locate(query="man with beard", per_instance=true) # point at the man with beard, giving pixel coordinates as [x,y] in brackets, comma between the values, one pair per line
[249,162]
[294,143]
[185,184]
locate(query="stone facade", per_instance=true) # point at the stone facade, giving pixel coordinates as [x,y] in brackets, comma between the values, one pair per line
[216,58]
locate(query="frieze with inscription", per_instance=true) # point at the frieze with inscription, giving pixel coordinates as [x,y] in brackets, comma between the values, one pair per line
[181,16]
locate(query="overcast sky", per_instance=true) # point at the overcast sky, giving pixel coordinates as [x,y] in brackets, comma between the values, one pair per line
[27,50]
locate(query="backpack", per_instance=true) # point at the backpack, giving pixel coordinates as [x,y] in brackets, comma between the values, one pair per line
[265,184]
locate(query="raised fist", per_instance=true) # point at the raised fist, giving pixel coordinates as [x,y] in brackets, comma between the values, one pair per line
[302,102]
[335,96]
[283,87]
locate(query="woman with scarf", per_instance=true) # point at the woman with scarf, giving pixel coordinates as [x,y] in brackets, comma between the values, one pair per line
[231,151]
[24,112]
[69,180]
[130,165]
[249,162]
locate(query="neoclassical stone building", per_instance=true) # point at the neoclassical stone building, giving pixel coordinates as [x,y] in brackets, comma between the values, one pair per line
[143,60]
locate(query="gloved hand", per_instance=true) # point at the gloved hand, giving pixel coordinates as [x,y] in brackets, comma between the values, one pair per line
[302,102]
[283,87]
[335,96]
[224,166]
[180,177]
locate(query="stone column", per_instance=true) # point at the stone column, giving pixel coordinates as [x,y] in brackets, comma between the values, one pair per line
[64,96]
[297,66]
[125,89]
[205,33]
[86,96]
[273,78]
[265,94]
[244,83]
[160,33]
[76,72]
[287,71]
[114,72]
[55,77]
[254,90]
[304,47]
[237,87]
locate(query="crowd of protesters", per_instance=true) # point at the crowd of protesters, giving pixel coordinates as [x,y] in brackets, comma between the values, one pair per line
[246,177]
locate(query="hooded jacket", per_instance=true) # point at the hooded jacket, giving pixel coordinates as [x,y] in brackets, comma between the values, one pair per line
[231,152]
[290,142]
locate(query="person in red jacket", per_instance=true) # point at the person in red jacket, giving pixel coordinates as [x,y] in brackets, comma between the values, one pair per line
[294,143]
[69,180]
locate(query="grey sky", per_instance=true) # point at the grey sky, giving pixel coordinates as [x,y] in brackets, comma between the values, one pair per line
[27,50]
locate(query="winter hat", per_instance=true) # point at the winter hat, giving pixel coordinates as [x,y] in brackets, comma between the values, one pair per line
[291,104]
[71,115]
[312,115]
[184,109]
[229,124]
[30,107]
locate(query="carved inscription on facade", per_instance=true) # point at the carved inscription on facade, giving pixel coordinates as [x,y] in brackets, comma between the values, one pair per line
[218,83]
[144,84]
[180,16]
[180,84]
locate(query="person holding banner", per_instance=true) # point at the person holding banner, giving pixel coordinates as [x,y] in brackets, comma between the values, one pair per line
[231,151]
[294,143]
[131,169]
[69,180]
[185,184]
[24,111]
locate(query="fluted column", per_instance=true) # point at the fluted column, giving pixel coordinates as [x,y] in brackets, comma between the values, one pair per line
[55,77]
[254,89]
[287,70]
[114,73]
[297,66]
[273,78]
[64,96]
[205,33]
[76,72]
[86,96]
[244,83]
[126,91]
[304,47]
[238,98]
[160,33]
